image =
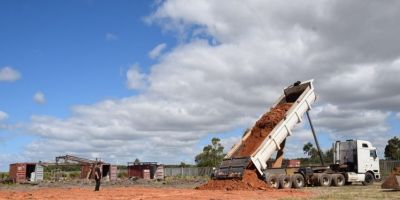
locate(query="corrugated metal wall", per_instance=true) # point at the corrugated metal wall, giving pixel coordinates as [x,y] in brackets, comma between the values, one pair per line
[188,171]
[387,166]
[113,173]
[39,173]
[18,172]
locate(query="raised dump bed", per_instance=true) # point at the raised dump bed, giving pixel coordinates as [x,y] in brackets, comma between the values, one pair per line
[268,133]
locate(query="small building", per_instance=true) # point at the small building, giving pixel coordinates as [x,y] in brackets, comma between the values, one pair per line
[26,172]
[146,170]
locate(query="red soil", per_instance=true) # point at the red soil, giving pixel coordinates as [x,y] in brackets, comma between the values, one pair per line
[144,193]
[262,129]
[250,181]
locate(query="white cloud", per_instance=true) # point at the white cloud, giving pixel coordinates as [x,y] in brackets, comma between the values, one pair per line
[154,53]
[9,74]
[229,142]
[135,79]
[111,36]
[344,124]
[39,97]
[398,115]
[3,115]
[202,87]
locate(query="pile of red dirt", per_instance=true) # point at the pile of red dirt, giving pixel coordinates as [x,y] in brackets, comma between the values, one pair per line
[250,181]
[262,129]
[393,180]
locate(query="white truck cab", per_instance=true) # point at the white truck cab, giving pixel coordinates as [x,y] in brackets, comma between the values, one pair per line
[358,159]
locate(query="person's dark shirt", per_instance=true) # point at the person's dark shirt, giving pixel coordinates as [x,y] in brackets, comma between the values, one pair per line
[97,170]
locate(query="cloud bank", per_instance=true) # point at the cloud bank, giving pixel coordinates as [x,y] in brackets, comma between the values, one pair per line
[231,64]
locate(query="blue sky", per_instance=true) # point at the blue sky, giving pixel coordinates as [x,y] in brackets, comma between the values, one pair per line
[120,76]
[61,48]
[75,52]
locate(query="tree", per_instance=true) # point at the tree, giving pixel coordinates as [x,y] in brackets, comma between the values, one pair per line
[212,154]
[183,164]
[328,156]
[392,149]
[310,150]
[136,160]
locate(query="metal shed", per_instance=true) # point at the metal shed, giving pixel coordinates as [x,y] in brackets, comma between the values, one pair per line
[26,172]
[146,170]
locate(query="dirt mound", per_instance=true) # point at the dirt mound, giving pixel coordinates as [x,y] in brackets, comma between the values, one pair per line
[250,181]
[393,181]
[262,129]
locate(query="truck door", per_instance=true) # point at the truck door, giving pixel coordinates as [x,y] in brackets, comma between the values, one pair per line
[367,158]
[373,161]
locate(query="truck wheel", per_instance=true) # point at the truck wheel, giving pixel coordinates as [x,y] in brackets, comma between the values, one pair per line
[338,180]
[369,179]
[324,180]
[285,181]
[298,181]
[272,181]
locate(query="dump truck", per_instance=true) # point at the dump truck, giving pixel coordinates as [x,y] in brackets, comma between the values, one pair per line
[354,160]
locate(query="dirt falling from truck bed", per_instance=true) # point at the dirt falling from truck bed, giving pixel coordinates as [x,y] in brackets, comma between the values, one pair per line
[262,129]
[250,181]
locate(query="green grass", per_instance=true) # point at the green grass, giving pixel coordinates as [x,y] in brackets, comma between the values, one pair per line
[350,192]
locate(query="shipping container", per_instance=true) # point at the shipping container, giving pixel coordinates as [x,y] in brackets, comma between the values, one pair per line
[136,170]
[26,172]
[285,163]
[293,163]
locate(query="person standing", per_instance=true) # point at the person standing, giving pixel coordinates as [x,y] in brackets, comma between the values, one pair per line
[97,176]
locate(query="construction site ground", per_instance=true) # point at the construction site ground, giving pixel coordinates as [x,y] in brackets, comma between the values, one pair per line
[179,188]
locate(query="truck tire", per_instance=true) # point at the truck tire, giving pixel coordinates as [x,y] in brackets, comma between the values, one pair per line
[285,181]
[338,180]
[324,180]
[272,181]
[298,181]
[369,179]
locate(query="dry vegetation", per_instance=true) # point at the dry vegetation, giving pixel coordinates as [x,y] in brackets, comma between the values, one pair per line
[356,191]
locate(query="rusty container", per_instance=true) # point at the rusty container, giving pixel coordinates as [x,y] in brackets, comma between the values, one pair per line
[293,163]
[21,172]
